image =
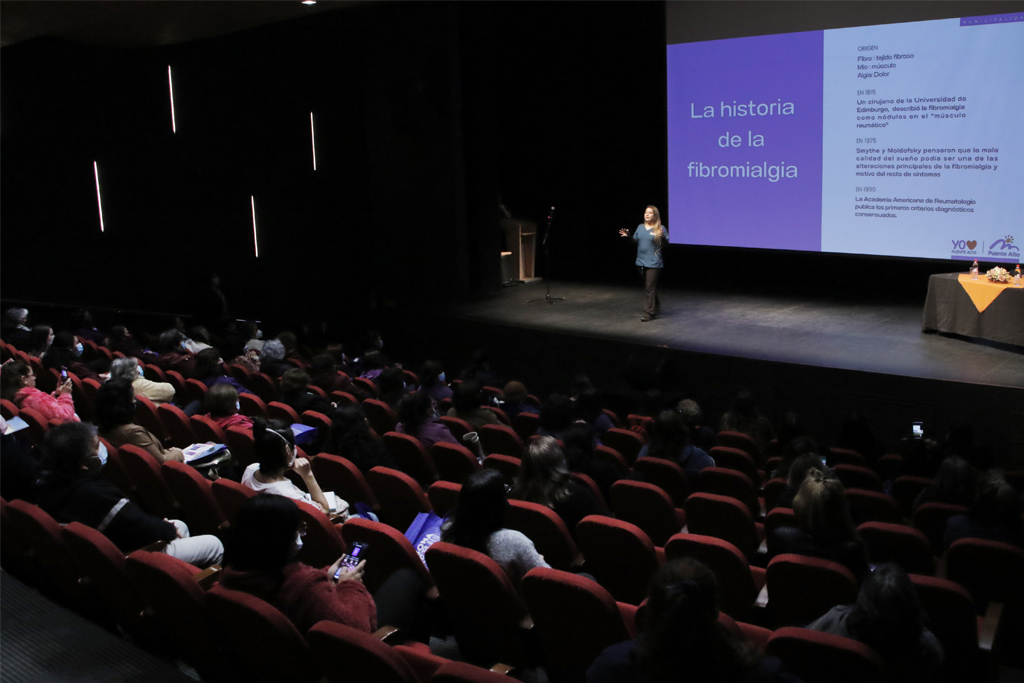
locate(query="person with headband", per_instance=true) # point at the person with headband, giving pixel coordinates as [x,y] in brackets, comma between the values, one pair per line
[275,452]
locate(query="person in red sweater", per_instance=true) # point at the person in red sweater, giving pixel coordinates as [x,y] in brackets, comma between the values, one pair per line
[261,558]
[19,386]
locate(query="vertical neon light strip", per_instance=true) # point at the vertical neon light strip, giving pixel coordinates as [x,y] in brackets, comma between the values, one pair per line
[312,134]
[99,201]
[170,85]
[255,241]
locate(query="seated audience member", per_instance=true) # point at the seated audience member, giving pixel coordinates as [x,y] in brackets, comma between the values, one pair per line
[250,356]
[122,340]
[129,370]
[544,479]
[682,638]
[796,474]
[351,439]
[371,365]
[467,404]
[198,339]
[115,411]
[479,369]
[888,618]
[210,370]
[579,457]
[417,416]
[823,526]
[39,341]
[275,454]
[702,436]
[391,386]
[433,381]
[954,484]
[790,429]
[856,435]
[19,386]
[16,330]
[995,513]
[478,523]
[261,558]
[323,373]
[293,350]
[71,489]
[222,407]
[517,400]
[960,441]
[85,327]
[557,415]
[921,457]
[295,393]
[272,358]
[589,409]
[66,352]
[670,440]
[175,354]
[19,468]
[744,417]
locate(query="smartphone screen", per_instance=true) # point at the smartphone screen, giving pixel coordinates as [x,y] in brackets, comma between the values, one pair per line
[351,559]
[918,428]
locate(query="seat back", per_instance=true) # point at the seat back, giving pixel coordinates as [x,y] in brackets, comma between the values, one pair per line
[817,657]
[15,552]
[506,464]
[153,372]
[950,615]
[905,490]
[177,425]
[619,555]
[778,517]
[60,574]
[338,474]
[388,551]
[732,483]
[889,466]
[486,613]
[666,475]
[239,373]
[322,424]
[626,442]
[899,543]
[457,426]
[526,424]
[345,654]
[195,498]
[547,531]
[874,506]
[8,409]
[500,439]
[264,386]
[788,578]
[411,457]
[648,507]
[196,390]
[588,481]
[443,497]
[322,544]
[146,415]
[154,493]
[401,498]
[743,442]
[282,411]
[230,497]
[177,380]
[453,462]
[931,518]
[38,425]
[845,456]
[367,386]
[206,429]
[772,489]
[379,415]
[737,587]
[253,625]
[610,455]
[115,472]
[736,459]
[242,445]
[723,517]
[575,619]
[990,570]
[252,405]
[855,477]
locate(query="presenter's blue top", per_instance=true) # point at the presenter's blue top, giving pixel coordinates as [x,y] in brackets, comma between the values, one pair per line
[648,253]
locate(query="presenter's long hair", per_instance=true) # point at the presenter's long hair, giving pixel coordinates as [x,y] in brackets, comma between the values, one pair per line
[657,223]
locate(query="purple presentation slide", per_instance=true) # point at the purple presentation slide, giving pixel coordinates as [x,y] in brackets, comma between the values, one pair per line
[745,146]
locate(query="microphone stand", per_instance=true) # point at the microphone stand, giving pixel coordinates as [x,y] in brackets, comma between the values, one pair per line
[547,266]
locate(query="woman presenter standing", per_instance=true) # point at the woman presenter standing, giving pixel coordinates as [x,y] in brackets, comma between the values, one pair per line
[649,237]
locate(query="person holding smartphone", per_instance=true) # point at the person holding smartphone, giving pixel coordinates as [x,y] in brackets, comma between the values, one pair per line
[19,386]
[261,558]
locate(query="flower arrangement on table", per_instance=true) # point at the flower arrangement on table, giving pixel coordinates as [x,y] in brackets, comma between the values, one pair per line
[999,275]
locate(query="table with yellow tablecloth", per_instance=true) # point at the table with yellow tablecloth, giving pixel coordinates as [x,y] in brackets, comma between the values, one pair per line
[974,308]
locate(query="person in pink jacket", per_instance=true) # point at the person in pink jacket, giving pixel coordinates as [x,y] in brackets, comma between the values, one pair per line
[19,385]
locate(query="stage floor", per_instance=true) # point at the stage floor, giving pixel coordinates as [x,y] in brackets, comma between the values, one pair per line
[869,337]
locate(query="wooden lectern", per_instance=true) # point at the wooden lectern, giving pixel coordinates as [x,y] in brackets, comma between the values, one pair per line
[521,237]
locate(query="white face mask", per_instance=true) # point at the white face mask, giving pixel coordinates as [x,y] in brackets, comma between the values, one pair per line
[238,405]
[102,454]
[79,348]
[296,546]
[441,378]
[141,373]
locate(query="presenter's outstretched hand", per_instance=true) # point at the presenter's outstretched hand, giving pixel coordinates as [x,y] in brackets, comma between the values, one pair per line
[623,232]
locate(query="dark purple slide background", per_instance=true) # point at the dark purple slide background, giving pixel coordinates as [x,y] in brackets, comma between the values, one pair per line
[746,212]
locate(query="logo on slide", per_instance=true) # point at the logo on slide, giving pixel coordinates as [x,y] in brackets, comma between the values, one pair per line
[964,248]
[1004,247]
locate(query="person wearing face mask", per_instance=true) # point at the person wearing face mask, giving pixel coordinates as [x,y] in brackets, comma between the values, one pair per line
[433,381]
[417,416]
[115,411]
[174,353]
[18,385]
[129,370]
[275,453]
[66,353]
[72,489]
[261,559]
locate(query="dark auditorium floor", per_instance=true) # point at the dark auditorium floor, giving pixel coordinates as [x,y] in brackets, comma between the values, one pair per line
[861,336]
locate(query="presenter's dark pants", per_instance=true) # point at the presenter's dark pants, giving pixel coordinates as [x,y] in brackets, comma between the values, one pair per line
[652,305]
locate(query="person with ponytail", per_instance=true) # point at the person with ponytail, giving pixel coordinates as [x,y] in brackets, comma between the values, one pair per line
[682,638]
[650,236]
[275,453]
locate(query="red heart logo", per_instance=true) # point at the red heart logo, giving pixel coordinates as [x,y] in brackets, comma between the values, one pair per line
[972,244]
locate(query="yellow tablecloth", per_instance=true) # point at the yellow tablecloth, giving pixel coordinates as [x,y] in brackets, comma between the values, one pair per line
[982,291]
